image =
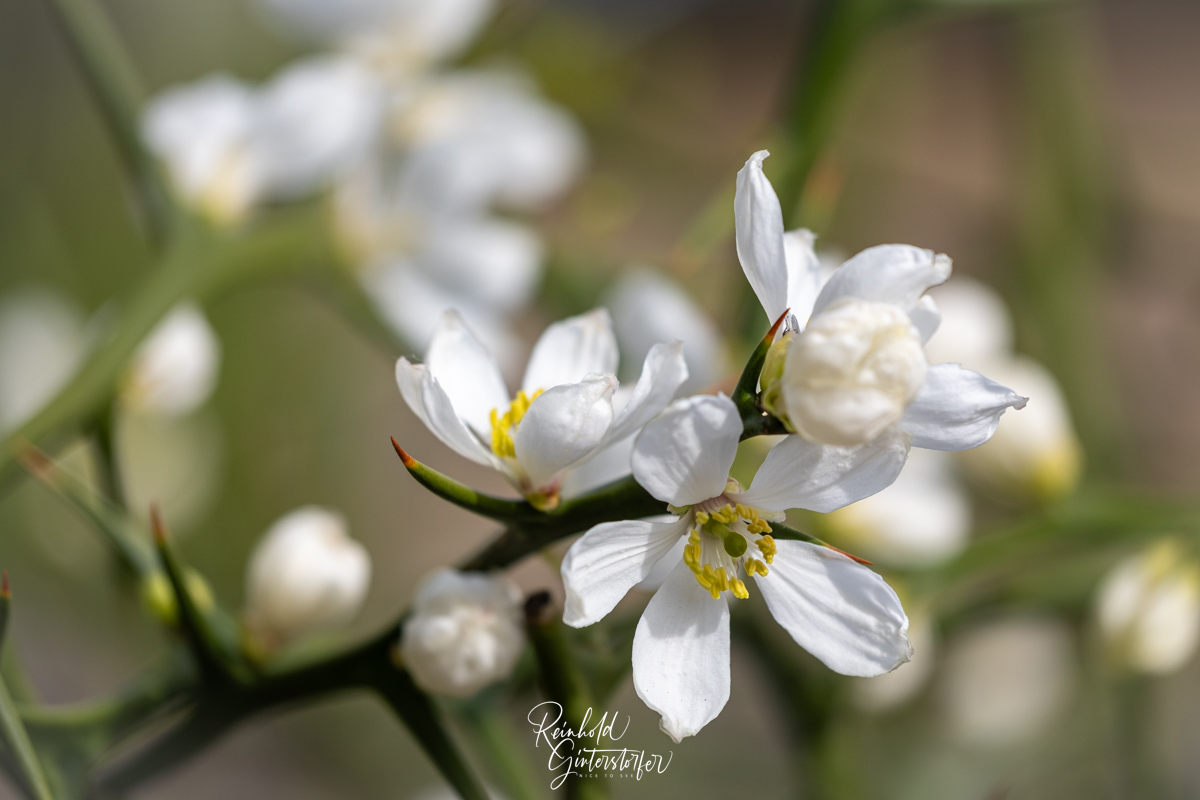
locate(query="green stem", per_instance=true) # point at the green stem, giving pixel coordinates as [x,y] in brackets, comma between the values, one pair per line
[496,741]
[114,82]
[463,496]
[14,733]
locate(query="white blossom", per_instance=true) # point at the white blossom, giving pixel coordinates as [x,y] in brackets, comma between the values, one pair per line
[175,369]
[228,146]
[838,610]
[306,574]
[561,417]
[465,632]
[1148,609]
[857,369]
[892,690]
[42,339]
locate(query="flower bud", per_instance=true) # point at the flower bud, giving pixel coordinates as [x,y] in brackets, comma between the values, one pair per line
[1149,609]
[159,598]
[852,372]
[175,368]
[1033,455]
[465,632]
[306,574]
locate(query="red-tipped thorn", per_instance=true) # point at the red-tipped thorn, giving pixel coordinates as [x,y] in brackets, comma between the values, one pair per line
[156,524]
[775,328]
[409,461]
[850,556]
[5,589]
[35,461]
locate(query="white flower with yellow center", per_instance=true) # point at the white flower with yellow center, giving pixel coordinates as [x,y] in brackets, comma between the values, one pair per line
[560,418]
[851,366]
[838,610]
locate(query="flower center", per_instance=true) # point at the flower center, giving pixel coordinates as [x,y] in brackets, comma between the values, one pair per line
[725,538]
[852,372]
[504,426]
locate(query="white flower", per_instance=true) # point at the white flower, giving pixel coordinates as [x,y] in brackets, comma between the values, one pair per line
[1149,609]
[1034,454]
[41,341]
[921,519]
[857,369]
[465,632]
[1005,681]
[175,369]
[648,308]
[397,34]
[305,575]
[884,693]
[228,146]
[563,414]
[838,610]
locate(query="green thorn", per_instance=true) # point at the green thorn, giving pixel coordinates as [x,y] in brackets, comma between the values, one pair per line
[463,496]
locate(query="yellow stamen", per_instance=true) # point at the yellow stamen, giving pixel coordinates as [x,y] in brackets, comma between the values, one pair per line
[767,545]
[504,426]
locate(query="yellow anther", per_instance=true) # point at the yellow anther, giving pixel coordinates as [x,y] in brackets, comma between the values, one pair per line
[753,565]
[506,424]
[739,589]
[725,514]
[702,517]
[767,545]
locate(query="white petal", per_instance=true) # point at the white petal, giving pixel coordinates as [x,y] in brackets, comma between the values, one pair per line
[926,318]
[493,261]
[467,372]
[681,655]
[803,273]
[890,273]
[663,372]
[840,611]
[609,560]
[683,456]
[759,236]
[429,402]
[572,349]
[957,409]
[802,474]
[563,426]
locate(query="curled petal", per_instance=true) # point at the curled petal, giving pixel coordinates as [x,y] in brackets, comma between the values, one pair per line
[890,273]
[432,406]
[467,372]
[609,560]
[759,236]
[663,372]
[926,318]
[803,273]
[683,456]
[563,426]
[957,409]
[570,350]
[840,611]
[681,655]
[802,474]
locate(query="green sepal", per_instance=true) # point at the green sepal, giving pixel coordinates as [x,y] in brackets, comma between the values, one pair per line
[463,496]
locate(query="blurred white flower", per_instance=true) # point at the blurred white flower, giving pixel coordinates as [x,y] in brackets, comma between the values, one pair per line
[175,369]
[857,368]
[921,519]
[465,632]
[173,462]
[1034,454]
[976,327]
[306,574]
[396,35]
[1005,681]
[42,338]
[891,690]
[562,416]
[841,612]
[228,146]
[1149,609]
[648,308]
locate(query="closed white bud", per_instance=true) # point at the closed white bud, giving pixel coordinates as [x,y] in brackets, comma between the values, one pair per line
[465,632]
[41,340]
[306,574]
[851,373]
[1033,455]
[976,327]
[175,369]
[1148,609]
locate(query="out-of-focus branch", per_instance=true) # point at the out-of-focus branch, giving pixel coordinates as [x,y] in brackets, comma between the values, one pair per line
[15,736]
[114,82]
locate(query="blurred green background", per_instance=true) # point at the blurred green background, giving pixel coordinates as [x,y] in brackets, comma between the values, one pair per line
[1052,149]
